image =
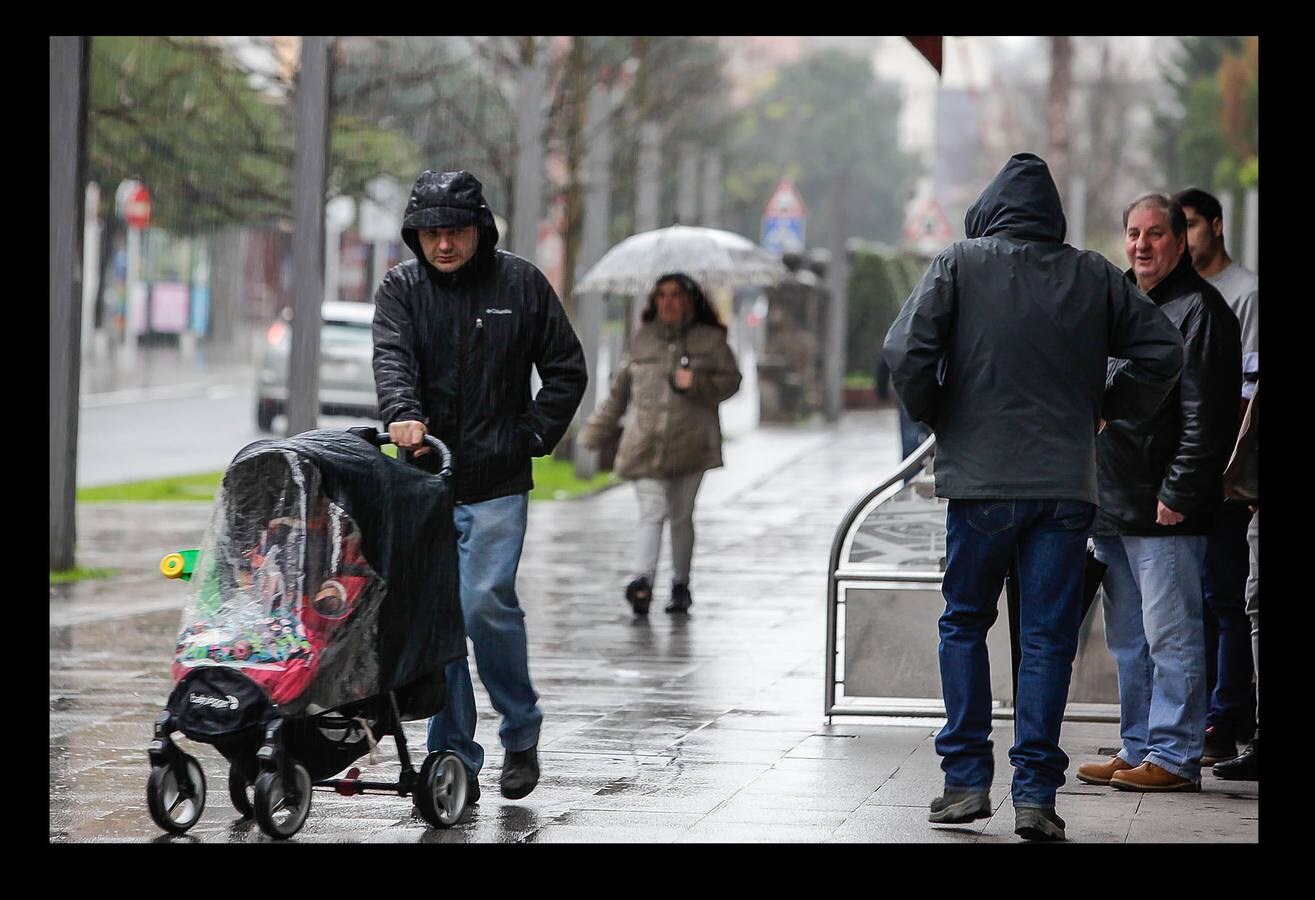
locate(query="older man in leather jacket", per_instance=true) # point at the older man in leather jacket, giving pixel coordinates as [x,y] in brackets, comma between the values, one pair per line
[1161,485]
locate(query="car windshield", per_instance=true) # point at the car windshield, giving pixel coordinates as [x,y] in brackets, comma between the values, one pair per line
[345,334]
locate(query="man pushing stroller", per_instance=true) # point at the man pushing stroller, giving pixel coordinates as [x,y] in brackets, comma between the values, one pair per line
[456,332]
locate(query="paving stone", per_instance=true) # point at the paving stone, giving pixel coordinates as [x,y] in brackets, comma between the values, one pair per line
[890,824]
[701,728]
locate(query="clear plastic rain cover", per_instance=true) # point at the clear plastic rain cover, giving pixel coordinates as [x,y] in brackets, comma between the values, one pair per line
[282,591]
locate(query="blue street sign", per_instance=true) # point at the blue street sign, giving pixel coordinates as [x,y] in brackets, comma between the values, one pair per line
[782,234]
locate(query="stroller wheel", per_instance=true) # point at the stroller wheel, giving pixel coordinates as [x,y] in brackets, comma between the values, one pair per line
[281,808]
[440,794]
[173,808]
[237,792]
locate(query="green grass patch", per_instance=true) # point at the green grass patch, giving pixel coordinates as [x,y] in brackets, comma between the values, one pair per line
[181,487]
[68,576]
[860,380]
[553,480]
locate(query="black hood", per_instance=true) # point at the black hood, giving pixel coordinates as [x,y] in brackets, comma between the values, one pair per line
[450,200]
[1021,201]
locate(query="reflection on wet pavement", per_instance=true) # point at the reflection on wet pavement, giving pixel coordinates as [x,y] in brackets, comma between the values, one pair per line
[706,728]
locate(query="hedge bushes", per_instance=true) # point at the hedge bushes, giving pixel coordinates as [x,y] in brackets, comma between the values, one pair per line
[880,280]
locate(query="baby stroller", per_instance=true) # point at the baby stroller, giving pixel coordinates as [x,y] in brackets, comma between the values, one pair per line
[323,607]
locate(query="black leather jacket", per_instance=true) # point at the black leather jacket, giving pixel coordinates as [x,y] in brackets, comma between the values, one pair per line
[455,351]
[1177,456]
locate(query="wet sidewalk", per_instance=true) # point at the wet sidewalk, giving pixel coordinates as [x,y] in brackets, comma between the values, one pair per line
[706,728]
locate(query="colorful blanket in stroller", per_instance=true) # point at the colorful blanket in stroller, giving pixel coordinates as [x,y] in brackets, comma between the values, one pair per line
[285,590]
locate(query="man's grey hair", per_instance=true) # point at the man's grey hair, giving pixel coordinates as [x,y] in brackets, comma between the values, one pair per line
[1177,218]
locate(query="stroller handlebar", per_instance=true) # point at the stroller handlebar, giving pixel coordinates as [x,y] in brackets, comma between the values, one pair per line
[380,438]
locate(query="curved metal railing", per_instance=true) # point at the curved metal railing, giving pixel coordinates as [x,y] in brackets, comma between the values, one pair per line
[911,465]
[913,573]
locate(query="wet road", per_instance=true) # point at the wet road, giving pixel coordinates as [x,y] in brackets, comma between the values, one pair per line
[163,430]
[657,730]
[173,415]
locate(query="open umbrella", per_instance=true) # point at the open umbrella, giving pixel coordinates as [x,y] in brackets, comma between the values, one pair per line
[712,257]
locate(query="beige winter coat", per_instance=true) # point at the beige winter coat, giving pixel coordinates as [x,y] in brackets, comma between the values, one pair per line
[668,433]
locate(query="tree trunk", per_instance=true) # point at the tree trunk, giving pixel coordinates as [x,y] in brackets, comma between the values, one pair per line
[1057,110]
[528,185]
[574,109]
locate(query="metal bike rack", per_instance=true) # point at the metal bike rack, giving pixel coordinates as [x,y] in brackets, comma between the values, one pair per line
[884,601]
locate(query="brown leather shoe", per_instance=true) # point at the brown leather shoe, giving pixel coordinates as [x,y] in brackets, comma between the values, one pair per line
[1099,773]
[1150,777]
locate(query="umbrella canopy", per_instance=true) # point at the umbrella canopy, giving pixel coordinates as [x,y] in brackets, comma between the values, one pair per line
[711,257]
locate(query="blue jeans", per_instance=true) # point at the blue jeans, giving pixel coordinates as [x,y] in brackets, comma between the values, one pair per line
[982,536]
[1154,630]
[1228,666]
[490,536]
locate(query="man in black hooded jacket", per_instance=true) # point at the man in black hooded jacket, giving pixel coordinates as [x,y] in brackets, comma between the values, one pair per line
[1001,349]
[456,331]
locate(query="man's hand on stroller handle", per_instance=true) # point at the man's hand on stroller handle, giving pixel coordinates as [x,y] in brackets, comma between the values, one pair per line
[409,436]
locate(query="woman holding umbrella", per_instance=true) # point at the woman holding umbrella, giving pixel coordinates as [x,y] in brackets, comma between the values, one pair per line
[678,370]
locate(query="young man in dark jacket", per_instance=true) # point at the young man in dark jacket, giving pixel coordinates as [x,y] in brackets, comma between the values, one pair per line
[1228,666]
[1161,485]
[456,331]
[1002,349]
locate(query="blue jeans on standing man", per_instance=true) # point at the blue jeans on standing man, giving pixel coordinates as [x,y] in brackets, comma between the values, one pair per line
[982,536]
[490,536]
[1154,629]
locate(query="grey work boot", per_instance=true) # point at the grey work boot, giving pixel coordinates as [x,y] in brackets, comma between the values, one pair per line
[956,806]
[1038,823]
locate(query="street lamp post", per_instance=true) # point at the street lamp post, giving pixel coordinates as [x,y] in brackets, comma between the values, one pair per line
[68,116]
[589,309]
[308,172]
[838,312]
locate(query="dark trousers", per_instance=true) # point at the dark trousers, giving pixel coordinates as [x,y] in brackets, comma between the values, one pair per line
[1227,628]
[911,433]
[982,538]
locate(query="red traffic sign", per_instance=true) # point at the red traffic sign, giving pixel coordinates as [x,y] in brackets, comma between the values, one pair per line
[137,208]
[785,202]
[928,223]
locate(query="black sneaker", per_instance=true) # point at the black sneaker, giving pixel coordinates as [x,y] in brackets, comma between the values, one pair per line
[1219,746]
[1246,767]
[681,601]
[1038,823]
[639,593]
[957,807]
[520,772]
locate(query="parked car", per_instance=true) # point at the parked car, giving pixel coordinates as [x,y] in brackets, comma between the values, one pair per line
[346,367]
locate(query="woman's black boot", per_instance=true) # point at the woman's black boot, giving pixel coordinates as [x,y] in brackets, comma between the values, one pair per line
[639,593]
[681,601]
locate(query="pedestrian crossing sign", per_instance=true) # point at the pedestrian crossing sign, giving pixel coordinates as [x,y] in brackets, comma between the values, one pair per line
[928,225]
